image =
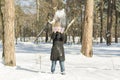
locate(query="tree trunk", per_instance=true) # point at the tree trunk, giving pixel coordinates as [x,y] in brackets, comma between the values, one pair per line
[1,14]
[38,7]
[46,31]
[81,32]
[88,25]
[116,23]
[38,15]
[109,22]
[20,33]
[8,45]
[101,16]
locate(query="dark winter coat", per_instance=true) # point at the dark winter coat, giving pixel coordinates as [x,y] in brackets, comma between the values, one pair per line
[57,51]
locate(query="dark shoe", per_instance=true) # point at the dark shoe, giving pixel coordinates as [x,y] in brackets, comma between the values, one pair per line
[52,72]
[63,73]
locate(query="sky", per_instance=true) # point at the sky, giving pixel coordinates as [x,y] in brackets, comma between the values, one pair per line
[27,5]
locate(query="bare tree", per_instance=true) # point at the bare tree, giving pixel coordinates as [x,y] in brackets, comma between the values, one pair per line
[87,33]
[8,45]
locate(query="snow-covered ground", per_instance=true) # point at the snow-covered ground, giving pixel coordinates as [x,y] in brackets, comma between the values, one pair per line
[33,63]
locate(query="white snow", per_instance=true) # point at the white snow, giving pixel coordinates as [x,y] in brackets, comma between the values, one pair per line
[33,63]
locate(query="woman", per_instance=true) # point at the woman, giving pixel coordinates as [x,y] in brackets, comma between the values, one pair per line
[57,51]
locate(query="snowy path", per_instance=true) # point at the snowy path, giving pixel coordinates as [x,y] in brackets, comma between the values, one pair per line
[104,65]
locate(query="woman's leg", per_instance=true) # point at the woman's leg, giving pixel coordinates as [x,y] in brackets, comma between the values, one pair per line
[53,66]
[62,66]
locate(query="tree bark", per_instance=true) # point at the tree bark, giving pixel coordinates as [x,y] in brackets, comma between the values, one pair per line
[116,22]
[101,16]
[38,15]
[81,32]
[88,29]
[109,22]
[8,45]
[1,14]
